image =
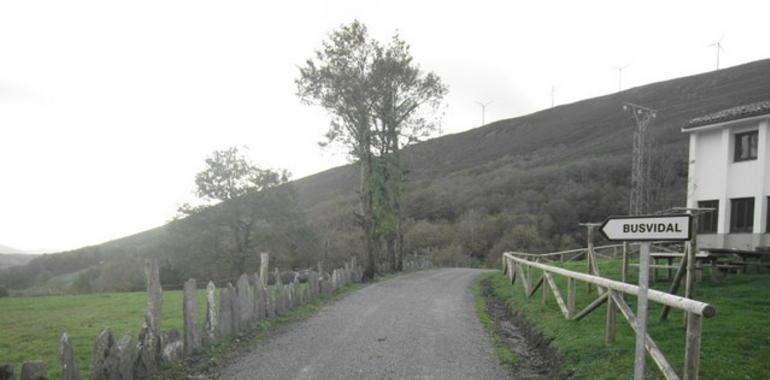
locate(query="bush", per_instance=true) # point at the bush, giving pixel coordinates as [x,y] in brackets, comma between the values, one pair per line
[4,292]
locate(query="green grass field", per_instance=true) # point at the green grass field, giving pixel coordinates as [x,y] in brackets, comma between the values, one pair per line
[735,343]
[30,327]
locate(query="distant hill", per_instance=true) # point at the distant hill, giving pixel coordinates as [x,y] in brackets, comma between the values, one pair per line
[7,249]
[8,260]
[547,170]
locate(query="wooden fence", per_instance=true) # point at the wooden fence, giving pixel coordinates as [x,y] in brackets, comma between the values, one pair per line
[610,292]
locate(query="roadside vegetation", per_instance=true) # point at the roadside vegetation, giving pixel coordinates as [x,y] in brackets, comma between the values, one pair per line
[736,343]
[507,358]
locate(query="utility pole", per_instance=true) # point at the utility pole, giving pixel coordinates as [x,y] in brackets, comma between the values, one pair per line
[640,168]
[483,110]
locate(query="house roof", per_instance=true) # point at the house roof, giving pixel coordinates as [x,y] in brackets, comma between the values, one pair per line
[734,113]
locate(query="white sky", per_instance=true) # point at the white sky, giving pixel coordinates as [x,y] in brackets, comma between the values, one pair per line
[107,109]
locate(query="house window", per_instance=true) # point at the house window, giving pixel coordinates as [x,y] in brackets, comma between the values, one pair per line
[707,222]
[742,215]
[746,146]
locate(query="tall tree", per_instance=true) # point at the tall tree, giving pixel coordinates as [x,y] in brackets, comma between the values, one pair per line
[338,79]
[406,105]
[374,93]
[232,190]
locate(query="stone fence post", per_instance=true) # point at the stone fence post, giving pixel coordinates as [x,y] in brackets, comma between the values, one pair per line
[69,369]
[212,314]
[264,261]
[192,338]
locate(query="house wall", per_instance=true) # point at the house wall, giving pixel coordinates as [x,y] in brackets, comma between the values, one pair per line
[713,174]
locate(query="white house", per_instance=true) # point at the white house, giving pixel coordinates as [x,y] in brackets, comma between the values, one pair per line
[729,171]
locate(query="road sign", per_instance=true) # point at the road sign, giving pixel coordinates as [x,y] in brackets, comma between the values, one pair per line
[645,229]
[648,227]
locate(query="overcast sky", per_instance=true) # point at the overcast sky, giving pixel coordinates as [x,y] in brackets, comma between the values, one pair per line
[107,109]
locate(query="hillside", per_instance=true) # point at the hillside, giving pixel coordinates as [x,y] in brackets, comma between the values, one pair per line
[8,260]
[519,183]
[591,128]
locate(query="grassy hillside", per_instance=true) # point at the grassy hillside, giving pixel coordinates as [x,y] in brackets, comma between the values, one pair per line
[587,129]
[520,183]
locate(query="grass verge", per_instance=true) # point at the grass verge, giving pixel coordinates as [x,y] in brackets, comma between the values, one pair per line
[735,343]
[507,358]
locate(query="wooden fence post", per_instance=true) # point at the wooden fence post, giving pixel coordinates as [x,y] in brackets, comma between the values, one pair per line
[512,269]
[590,251]
[692,346]
[524,281]
[504,261]
[545,290]
[641,310]
[689,279]
[570,297]
[612,326]
[589,269]
[624,270]
[529,278]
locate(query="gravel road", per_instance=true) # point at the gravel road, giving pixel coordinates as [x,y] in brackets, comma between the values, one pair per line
[420,325]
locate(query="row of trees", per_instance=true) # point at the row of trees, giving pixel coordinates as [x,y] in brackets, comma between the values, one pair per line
[380,101]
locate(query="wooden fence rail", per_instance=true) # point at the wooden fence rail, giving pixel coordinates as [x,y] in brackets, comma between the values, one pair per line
[610,292]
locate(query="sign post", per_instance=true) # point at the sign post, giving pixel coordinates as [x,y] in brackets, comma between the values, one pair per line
[641,310]
[645,229]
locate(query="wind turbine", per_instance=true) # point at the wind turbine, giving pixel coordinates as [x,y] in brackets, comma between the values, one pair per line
[719,48]
[620,75]
[553,95]
[483,110]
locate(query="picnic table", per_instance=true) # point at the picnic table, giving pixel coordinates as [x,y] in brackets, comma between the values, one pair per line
[702,259]
[757,258]
[713,258]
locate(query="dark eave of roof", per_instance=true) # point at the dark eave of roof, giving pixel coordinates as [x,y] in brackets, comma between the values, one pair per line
[734,113]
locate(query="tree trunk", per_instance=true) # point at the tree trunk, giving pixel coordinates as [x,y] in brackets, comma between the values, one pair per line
[398,180]
[367,214]
[390,242]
